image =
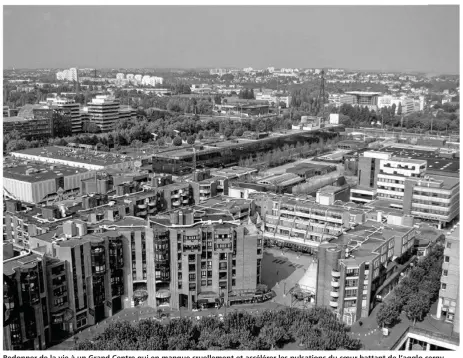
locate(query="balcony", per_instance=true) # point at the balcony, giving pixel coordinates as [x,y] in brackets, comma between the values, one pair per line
[175,196]
[334,304]
[142,206]
[152,203]
[142,213]
[152,211]
[334,294]
[205,191]
[176,203]
[334,284]
[186,201]
[335,274]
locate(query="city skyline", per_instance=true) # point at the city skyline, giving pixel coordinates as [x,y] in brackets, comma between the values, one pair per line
[255,36]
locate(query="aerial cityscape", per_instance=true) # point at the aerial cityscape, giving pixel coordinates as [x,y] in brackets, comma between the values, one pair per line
[231,178]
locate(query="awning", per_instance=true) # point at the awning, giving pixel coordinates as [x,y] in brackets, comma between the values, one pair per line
[208,295]
[163,293]
[241,298]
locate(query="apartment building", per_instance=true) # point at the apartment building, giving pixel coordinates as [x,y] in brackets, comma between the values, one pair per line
[104,111]
[214,260]
[27,322]
[71,74]
[449,299]
[359,268]
[302,224]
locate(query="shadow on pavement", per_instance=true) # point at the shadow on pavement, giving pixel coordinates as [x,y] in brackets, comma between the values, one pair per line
[275,268]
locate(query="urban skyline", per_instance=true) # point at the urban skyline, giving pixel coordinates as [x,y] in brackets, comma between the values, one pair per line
[300,31]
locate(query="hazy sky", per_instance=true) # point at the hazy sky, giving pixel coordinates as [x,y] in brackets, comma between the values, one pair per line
[416,38]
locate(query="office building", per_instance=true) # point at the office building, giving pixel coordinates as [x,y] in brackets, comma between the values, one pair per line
[69,105]
[432,198]
[104,111]
[364,99]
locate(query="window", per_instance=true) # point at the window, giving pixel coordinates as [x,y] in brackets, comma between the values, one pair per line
[449,245]
[444,286]
[445,273]
[203,283]
[203,273]
[446,258]
[192,276]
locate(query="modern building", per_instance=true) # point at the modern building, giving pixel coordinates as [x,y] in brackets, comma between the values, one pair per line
[37,182]
[28,323]
[365,99]
[360,267]
[301,223]
[432,198]
[80,156]
[71,75]
[448,307]
[104,111]
[216,260]
[281,183]
[70,105]
[120,76]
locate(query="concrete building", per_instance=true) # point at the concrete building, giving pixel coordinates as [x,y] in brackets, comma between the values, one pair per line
[120,76]
[365,99]
[104,111]
[38,182]
[28,323]
[432,198]
[71,74]
[448,307]
[75,156]
[215,260]
[70,105]
[360,267]
[302,224]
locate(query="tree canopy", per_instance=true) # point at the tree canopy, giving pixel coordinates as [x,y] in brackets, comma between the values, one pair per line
[315,329]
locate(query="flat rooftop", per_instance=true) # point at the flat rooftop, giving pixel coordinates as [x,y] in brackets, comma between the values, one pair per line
[25,261]
[361,93]
[433,158]
[364,239]
[36,171]
[76,155]
[281,179]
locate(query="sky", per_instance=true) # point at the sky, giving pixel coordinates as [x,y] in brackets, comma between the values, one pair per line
[386,38]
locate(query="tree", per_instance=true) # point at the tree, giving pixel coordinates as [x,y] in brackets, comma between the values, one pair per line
[190,140]
[177,141]
[399,109]
[388,313]
[417,306]
[238,132]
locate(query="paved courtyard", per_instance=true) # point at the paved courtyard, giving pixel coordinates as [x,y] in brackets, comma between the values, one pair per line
[282,270]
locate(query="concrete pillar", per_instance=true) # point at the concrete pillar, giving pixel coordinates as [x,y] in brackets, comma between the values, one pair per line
[439,308]
[440,225]
[407,344]
[428,346]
